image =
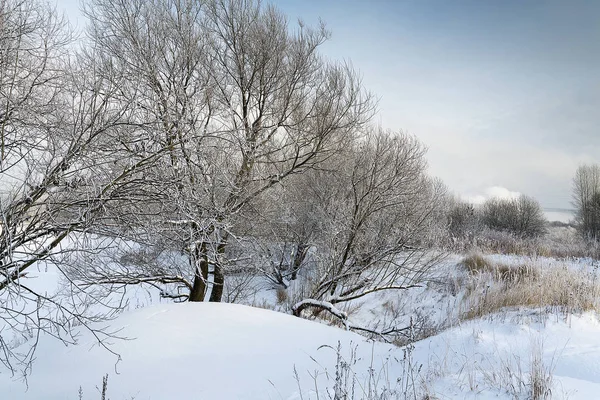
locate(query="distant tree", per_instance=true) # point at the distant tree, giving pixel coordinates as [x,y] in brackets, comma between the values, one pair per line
[522,216]
[586,200]
[463,219]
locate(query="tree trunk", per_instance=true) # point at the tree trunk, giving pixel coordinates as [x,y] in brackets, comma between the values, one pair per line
[199,258]
[299,257]
[216,293]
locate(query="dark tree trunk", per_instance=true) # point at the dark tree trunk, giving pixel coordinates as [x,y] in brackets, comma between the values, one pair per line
[299,257]
[216,294]
[199,258]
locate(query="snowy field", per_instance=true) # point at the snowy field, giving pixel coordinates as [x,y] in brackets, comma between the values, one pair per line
[226,351]
[200,200]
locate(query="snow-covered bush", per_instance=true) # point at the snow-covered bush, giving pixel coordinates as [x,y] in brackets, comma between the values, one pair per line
[379,215]
[464,221]
[522,217]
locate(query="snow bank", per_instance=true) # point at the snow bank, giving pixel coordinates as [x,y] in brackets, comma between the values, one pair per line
[201,351]
[225,351]
[471,360]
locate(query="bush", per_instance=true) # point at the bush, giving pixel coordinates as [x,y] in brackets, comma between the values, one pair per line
[282,295]
[463,220]
[475,262]
[522,217]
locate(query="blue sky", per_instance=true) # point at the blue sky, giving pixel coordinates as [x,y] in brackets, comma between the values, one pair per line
[503,93]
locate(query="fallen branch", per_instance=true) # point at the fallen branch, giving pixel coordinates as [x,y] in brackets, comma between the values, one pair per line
[329,307]
[323,305]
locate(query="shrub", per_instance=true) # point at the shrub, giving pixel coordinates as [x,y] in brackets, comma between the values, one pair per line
[475,262]
[463,220]
[560,243]
[522,217]
[282,295]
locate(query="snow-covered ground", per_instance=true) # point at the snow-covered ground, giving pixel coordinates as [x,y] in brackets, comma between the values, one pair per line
[226,351]
[203,351]
[492,358]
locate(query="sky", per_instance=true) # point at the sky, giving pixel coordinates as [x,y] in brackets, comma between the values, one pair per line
[505,94]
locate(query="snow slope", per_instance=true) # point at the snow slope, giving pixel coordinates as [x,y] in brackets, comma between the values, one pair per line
[471,361]
[200,351]
[225,351]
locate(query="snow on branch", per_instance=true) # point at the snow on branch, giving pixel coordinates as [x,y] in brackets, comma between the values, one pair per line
[327,306]
[323,305]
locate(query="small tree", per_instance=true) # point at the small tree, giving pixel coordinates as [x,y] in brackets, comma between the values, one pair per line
[464,221]
[522,216]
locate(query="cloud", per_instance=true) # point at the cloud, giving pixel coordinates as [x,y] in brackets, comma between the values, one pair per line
[497,192]
[500,192]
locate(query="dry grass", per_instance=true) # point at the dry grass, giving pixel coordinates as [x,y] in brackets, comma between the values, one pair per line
[494,287]
[540,374]
[282,295]
[476,264]
[519,378]
[560,242]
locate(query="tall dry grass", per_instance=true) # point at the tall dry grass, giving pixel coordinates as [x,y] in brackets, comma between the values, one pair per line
[560,242]
[493,287]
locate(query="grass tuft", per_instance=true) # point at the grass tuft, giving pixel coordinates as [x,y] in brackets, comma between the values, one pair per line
[477,264]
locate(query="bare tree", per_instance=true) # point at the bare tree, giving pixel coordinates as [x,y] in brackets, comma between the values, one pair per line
[586,195]
[243,101]
[522,216]
[61,166]
[378,211]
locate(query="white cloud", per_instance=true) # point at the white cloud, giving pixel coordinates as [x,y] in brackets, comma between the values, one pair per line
[501,192]
[491,192]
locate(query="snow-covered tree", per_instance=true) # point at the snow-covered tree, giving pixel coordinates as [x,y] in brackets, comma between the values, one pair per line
[60,165]
[522,216]
[242,100]
[379,214]
[586,195]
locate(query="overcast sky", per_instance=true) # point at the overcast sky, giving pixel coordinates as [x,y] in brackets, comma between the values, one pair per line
[505,94]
